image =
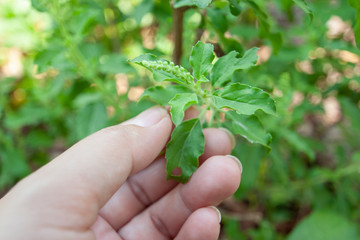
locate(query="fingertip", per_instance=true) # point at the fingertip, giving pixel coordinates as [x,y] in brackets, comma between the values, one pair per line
[231,137]
[191,112]
[217,212]
[217,142]
[149,117]
[237,161]
[153,139]
[216,179]
[229,170]
[203,224]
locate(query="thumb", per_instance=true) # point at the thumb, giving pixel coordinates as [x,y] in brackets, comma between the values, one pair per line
[99,164]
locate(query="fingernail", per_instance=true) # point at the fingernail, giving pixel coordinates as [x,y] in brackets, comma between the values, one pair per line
[149,117]
[231,136]
[237,161]
[217,211]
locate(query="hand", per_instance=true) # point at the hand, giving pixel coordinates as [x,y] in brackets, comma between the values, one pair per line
[112,185]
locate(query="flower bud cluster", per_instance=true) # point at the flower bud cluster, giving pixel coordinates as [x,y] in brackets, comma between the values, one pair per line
[170,67]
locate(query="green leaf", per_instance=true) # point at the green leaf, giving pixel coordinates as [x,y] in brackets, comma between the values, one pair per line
[264,26]
[356,5]
[357,30]
[351,113]
[276,39]
[90,119]
[184,149]
[114,63]
[298,142]
[257,9]
[235,7]
[201,59]
[265,32]
[145,57]
[28,115]
[142,9]
[179,104]
[201,80]
[83,18]
[244,99]
[162,95]
[327,225]
[13,165]
[250,128]
[225,67]
[218,19]
[54,57]
[198,3]
[305,7]
[39,5]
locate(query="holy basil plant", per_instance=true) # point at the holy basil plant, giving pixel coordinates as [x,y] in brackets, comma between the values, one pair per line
[210,86]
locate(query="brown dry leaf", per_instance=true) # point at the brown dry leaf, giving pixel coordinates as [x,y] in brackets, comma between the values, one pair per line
[122,83]
[13,65]
[332,111]
[350,57]
[264,54]
[305,67]
[135,93]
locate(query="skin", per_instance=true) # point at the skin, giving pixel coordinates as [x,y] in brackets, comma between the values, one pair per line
[112,186]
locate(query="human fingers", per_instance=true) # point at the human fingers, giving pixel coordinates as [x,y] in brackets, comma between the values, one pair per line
[203,224]
[217,179]
[103,231]
[218,141]
[147,186]
[82,179]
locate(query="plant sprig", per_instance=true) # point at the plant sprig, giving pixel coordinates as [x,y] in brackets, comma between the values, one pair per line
[210,87]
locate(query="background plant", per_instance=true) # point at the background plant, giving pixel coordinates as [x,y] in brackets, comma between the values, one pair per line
[64,74]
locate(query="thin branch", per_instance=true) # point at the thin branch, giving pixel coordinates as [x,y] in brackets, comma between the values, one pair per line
[178,27]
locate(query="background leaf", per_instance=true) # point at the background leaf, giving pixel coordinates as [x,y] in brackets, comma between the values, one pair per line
[324,225]
[115,63]
[235,7]
[89,119]
[39,5]
[198,3]
[305,7]
[218,19]
[298,142]
[356,5]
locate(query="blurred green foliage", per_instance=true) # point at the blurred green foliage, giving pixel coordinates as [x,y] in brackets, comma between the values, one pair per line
[64,75]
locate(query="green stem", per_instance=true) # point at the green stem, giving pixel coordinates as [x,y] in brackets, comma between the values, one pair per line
[202,113]
[211,117]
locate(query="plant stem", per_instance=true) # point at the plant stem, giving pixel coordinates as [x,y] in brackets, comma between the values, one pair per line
[211,118]
[178,27]
[202,113]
